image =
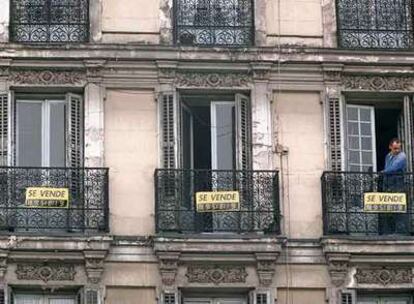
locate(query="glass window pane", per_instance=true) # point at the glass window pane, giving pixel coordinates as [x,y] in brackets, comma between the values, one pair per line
[354,142]
[354,157]
[366,143]
[353,128]
[366,129]
[365,115]
[367,158]
[354,168]
[224,128]
[352,113]
[57,134]
[29,134]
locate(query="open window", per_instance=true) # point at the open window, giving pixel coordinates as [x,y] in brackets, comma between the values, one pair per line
[206,137]
[369,125]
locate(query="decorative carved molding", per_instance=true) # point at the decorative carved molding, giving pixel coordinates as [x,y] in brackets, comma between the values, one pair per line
[212,80]
[45,272]
[4,70]
[384,275]
[332,73]
[265,267]
[94,265]
[261,71]
[216,274]
[168,267]
[338,266]
[378,83]
[47,77]
[3,263]
[94,69]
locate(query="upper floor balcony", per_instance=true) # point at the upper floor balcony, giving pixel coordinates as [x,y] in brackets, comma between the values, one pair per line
[375,24]
[27,203]
[257,210]
[343,202]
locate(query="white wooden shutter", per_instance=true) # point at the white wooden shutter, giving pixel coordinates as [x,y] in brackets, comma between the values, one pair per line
[7,129]
[408,131]
[348,297]
[4,128]
[74,131]
[334,130]
[243,138]
[91,296]
[169,127]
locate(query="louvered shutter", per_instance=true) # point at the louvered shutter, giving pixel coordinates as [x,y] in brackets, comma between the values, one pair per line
[334,125]
[169,125]
[408,131]
[348,297]
[91,296]
[74,132]
[7,129]
[4,128]
[244,126]
[170,298]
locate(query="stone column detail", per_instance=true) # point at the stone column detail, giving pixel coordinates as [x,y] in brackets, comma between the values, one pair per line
[94,265]
[168,267]
[261,117]
[94,114]
[266,267]
[4,20]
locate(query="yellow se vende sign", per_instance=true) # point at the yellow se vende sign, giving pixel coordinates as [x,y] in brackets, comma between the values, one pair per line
[385,202]
[45,197]
[217,201]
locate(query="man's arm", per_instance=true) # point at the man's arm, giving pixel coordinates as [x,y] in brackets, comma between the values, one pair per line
[398,165]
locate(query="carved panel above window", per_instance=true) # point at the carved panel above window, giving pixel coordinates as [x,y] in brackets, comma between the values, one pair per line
[216,274]
[46,272]
[384,275]
[53,21]
[214,22]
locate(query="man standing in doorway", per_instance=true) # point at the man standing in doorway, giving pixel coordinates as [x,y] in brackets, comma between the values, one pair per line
[395,166]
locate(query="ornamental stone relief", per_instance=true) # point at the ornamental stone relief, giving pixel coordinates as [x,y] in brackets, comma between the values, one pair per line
[45,272]
[378,83]
[384,276]
[216,274]
[212,80]
[47,77]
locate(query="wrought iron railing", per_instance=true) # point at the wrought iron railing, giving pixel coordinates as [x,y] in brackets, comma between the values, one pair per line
[87,208]
[381,24]
[175,192]
[343,203]
[63,21]
[214,22]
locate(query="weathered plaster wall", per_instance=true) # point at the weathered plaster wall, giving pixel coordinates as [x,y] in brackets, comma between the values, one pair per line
[298,119]
[131,155]
[301,296]
[133,295]
[131,21]
[4,20]
[294,22]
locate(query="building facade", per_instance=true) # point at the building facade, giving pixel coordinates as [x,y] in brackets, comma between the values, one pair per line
[130,109]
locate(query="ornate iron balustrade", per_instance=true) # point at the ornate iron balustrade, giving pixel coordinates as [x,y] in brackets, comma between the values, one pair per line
[382,24]
[87,211]
[343,203]
[53,21]
[214,22]
[175,201]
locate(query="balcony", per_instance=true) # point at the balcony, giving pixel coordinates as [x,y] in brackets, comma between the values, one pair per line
[375,24]
[343,204]
[85,211]
[214,23]
[175,192]
[48,21]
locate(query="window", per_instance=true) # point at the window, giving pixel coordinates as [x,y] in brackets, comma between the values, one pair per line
[54,21]
[384,24]
[214,22]
[384,299]
[41,131]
